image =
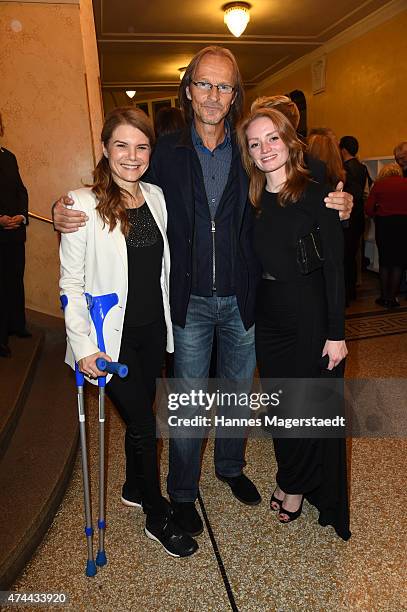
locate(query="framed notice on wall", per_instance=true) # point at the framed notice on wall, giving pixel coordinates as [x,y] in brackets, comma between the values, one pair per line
[318,70]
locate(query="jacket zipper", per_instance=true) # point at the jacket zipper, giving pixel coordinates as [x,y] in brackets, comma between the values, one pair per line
[213,257]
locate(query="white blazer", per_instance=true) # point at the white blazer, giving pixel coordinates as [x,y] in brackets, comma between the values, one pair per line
[94,260]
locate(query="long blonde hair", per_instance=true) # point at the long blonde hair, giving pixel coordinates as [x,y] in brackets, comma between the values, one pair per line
[297,175]
[111,198]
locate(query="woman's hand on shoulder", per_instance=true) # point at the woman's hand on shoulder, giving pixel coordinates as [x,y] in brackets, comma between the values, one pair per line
[87,365]
[336,351]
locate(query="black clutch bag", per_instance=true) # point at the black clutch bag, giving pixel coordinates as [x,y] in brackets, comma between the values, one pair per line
[309,252]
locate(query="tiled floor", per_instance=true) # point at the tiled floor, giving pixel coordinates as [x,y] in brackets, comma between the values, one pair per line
[266,566]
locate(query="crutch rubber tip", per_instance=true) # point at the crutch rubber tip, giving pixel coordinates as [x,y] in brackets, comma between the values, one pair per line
[90,568]
[101,558]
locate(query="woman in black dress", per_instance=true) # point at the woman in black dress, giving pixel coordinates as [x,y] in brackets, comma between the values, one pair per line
[300,318]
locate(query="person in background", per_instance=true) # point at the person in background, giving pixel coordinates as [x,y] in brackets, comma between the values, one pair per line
[324,131]
[358,172]
[358,181]
[13,221]
[400,155]
[123,249]
[387,203]
[169,119]
[324,148]
[300,316]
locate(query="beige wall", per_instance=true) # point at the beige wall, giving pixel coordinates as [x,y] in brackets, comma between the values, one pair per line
[49,83]
[366,89]
[92,76]
[42,268]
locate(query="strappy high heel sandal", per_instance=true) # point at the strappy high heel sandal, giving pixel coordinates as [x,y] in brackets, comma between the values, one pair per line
[292,516]
[276,501]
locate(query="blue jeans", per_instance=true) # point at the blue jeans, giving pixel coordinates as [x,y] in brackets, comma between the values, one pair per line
[235,361]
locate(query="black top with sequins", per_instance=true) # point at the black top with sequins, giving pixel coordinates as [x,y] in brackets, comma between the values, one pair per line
[144,256]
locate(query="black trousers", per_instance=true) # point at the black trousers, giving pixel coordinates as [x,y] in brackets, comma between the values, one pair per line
[143,350]
[12,301]
[291,329]
[352,241]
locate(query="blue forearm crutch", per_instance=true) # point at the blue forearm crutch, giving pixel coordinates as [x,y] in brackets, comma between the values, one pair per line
[80,379]
[90,564]
[98,306]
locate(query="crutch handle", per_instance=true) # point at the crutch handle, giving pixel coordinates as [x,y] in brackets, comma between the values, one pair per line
[80,379]
[112,367]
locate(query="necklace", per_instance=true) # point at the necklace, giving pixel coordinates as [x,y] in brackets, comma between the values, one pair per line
[135,201]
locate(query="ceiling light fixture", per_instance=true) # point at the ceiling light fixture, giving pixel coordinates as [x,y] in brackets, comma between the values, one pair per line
[131,93]
[236,17]
[182,72]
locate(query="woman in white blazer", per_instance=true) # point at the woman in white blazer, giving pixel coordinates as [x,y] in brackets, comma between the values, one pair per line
[123,249]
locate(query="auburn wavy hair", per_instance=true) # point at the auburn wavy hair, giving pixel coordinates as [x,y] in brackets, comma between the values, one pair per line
[323,147]
[297,175]
[112,198]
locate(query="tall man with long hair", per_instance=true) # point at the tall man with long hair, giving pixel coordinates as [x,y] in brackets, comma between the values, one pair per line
[214,271]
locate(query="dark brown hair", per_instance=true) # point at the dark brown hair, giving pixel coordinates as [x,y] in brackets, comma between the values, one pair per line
[169,119]
[111,198]
[236,109]
[297,175]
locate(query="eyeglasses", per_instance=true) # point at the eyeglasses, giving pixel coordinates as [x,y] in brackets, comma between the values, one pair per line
[205,86]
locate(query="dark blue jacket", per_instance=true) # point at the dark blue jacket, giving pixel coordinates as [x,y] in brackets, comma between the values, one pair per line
[172,165]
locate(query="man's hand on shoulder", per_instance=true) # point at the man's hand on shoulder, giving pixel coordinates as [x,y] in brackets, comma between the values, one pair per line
[65,219]
[340,200]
